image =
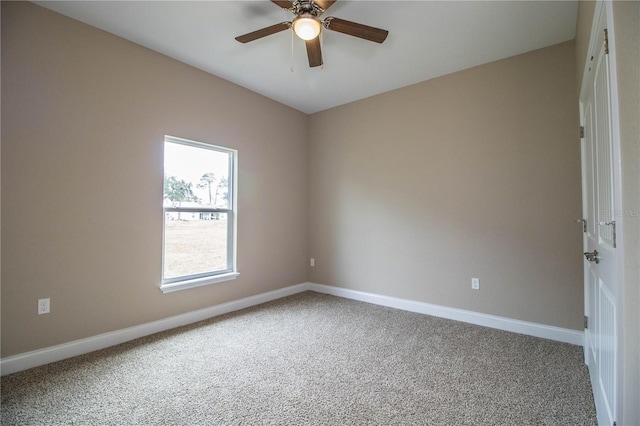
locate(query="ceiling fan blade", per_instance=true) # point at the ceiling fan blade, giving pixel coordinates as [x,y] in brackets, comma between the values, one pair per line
[285,4]
[264,32]
[357,30]
[323,4]
[314,52]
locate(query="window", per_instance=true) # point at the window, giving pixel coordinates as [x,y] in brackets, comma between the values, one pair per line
[199,214]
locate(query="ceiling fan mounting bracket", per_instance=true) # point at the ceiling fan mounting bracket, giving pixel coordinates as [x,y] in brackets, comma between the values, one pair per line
[301,7]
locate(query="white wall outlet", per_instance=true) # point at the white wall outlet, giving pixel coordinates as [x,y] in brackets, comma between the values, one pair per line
[475,283]
[312,262]
[44,306]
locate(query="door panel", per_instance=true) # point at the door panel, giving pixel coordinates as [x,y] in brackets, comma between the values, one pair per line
[590,168]
[603,150]
[592,331]
[606,358]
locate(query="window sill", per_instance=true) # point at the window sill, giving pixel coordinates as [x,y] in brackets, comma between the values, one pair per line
[199,282]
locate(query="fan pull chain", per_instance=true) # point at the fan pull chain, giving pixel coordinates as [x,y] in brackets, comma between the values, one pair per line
[291,50]
[322,47]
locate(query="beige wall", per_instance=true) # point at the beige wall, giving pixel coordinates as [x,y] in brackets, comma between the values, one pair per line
[626,17]
[84,114]
[474,174]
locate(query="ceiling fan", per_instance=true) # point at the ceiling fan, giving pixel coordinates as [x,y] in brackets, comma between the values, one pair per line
[307,25]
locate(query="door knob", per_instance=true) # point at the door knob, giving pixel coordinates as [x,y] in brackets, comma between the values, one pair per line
[592,256]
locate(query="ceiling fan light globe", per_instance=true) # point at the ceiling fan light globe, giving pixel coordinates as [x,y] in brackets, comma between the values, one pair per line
[306,27]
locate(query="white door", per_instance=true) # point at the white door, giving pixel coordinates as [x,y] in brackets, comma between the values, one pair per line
[601,289]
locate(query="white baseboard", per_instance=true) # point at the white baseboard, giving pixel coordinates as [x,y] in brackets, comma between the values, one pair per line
[39,357]
[565,335]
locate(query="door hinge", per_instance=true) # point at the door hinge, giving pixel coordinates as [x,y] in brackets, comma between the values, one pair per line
[606,42]
[581,132]
[586,321]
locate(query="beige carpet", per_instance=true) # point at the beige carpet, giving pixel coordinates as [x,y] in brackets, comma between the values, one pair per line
[312,359]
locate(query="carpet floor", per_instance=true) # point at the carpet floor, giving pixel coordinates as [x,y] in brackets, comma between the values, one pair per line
[311,359]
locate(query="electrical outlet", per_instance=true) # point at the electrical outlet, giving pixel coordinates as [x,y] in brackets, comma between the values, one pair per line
[312,262]
[475,283]
[44,306]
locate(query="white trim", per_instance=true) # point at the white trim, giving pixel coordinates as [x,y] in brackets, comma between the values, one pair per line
[565,335]
[198,282]
[38,357]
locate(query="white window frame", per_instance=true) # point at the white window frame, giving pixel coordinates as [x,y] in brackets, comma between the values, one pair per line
[230,273]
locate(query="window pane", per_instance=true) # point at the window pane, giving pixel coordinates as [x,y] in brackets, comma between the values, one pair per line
[194,243]
[195,177]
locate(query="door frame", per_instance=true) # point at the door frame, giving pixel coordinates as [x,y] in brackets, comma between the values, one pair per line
[604,9]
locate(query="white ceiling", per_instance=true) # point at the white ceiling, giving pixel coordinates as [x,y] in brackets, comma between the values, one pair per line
[426,39]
